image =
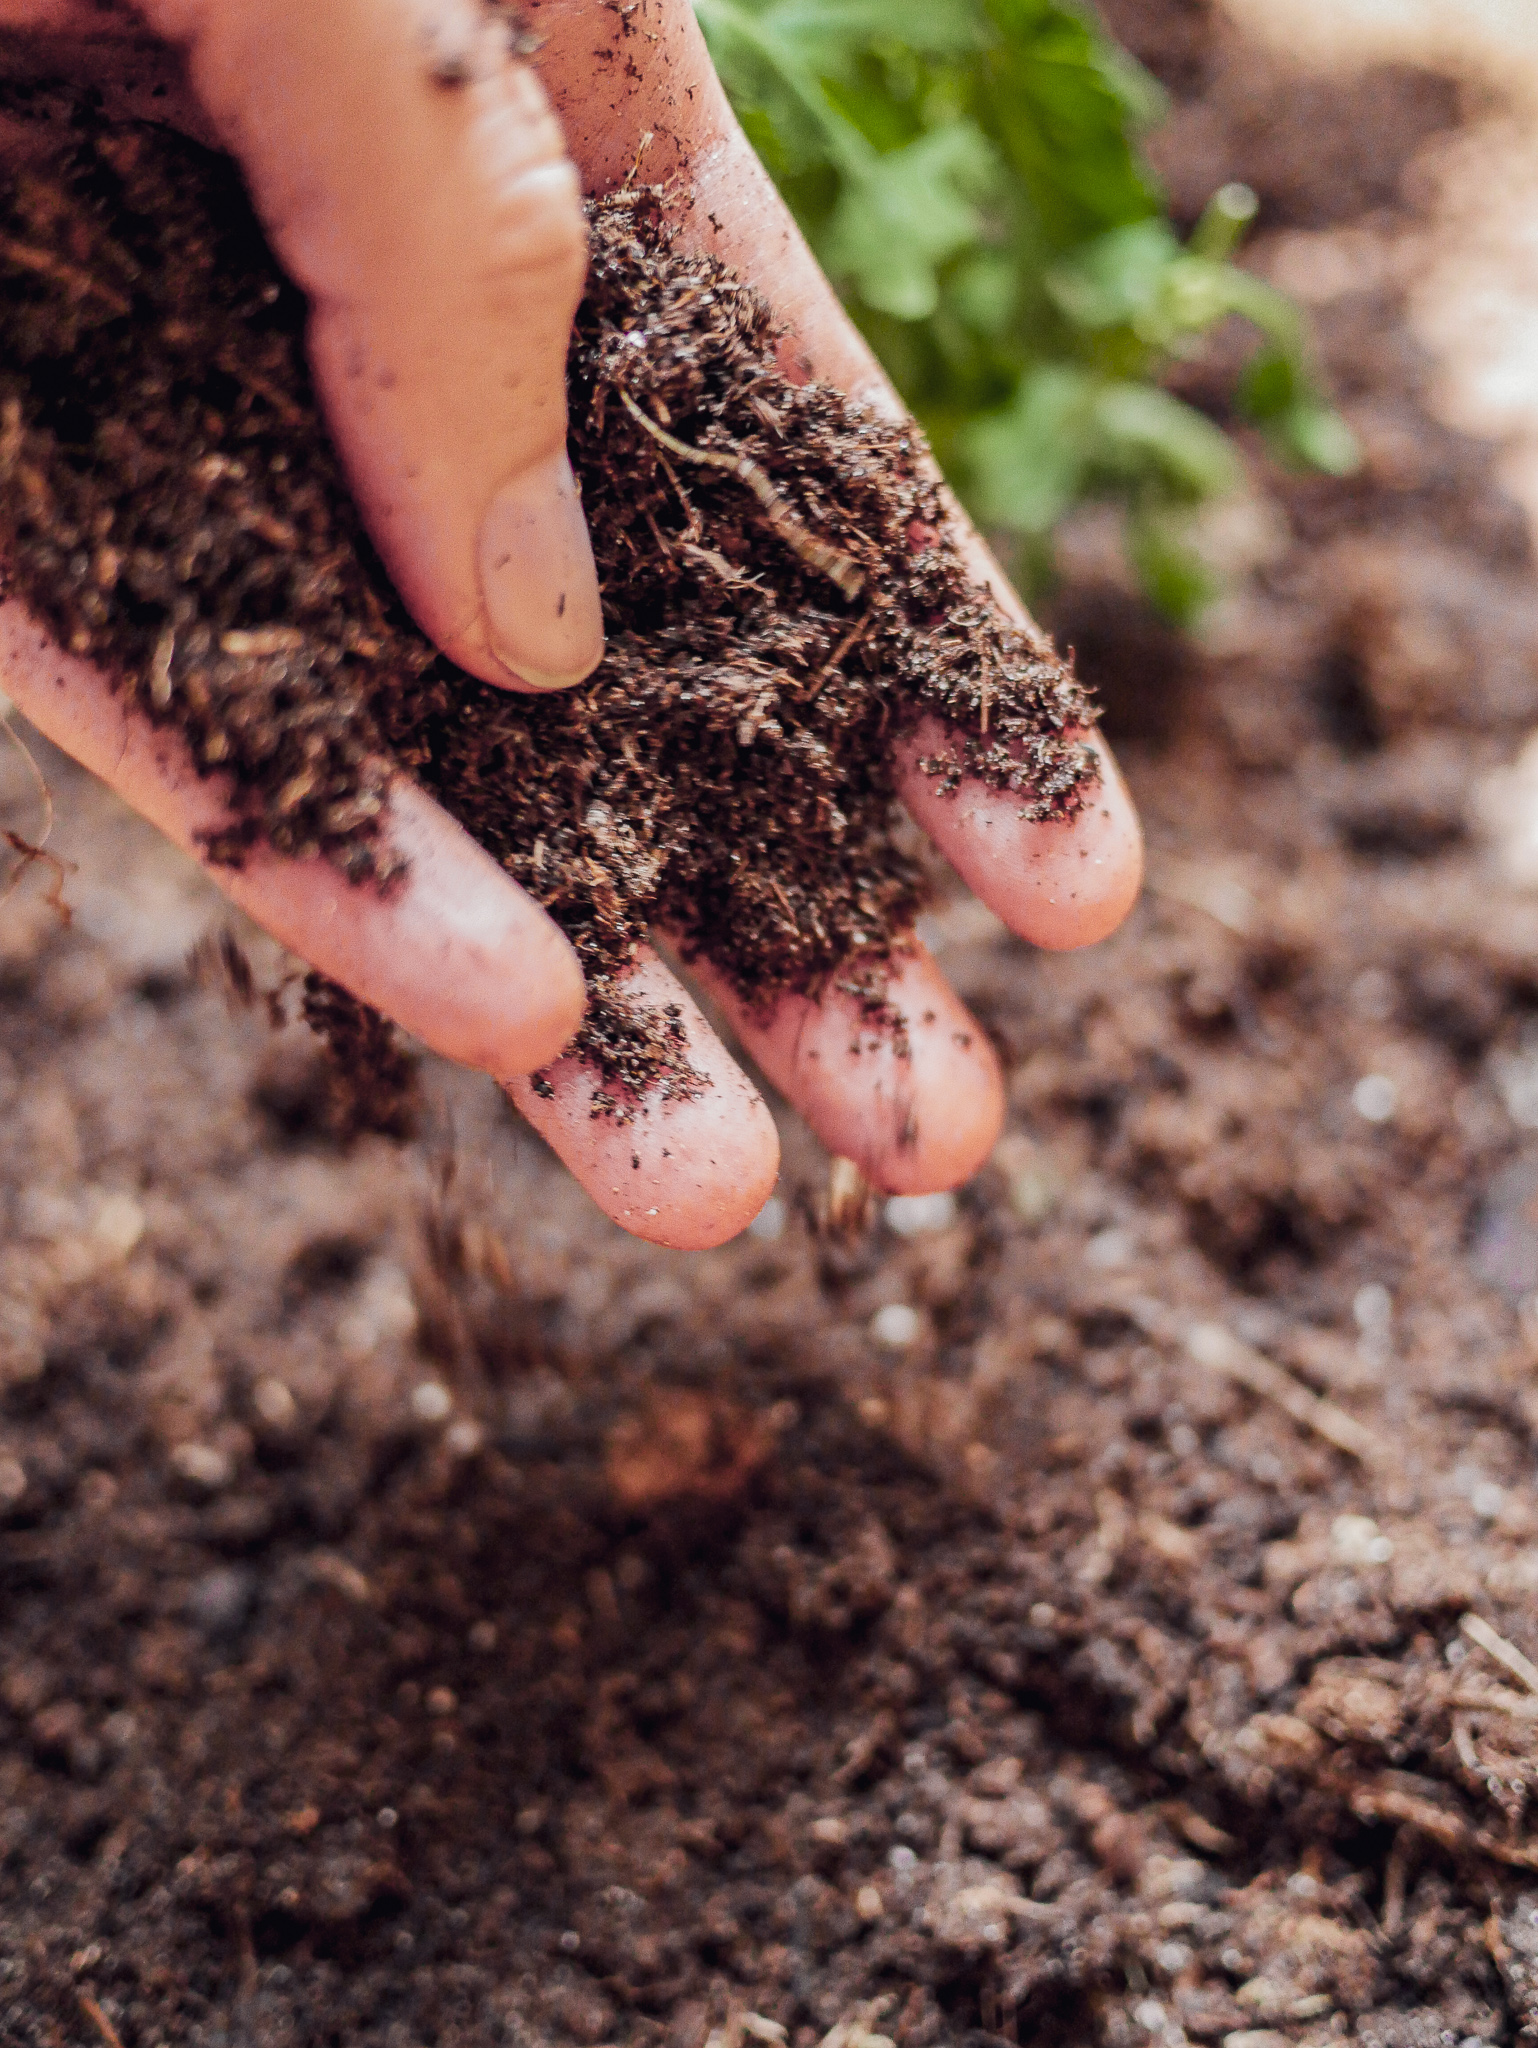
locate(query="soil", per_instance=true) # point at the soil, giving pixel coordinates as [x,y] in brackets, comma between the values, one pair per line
[781,599]
[1091,1612]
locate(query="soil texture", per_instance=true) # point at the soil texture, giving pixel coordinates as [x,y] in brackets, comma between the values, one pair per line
[1097,1611]
[781,600]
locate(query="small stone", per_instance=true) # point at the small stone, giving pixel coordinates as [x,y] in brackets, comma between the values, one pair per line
[1375,1098]
[441,1700]
[769,1223]
[1504,1254]
[1356,1540]
[119,1222]
[201,1465]
[274,1403]
[919,1215]
[222,1599]
[1108,1249]
[431,1401]
[868,1903]
[896,1326]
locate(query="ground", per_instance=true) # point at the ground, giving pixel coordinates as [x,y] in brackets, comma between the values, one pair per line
[1096,1611]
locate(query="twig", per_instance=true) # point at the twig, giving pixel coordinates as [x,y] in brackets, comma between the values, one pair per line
[856,633]
[62,870]
[1379,1799]
[641,148]
[44,264]
[1219,1350]
[99,2020]
[1395,1875]
[1506,1654]
[36,773]
[827,561]
[259,387]
[1516,1706]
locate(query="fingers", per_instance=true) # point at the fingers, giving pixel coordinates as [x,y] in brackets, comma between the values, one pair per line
[1058,885]
[640,82]
[456,953]
[918,1108]
[688,1174]
[414,181]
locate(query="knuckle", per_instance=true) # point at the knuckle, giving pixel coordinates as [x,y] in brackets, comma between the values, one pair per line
[537,226]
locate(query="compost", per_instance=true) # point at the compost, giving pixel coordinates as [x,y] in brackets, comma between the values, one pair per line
[429,1618]
[781,597]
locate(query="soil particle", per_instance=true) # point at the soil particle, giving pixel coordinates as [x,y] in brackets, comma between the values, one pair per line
[589,1644]
[781,599]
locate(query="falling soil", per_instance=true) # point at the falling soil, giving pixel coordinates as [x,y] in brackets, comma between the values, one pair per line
[431,1619]
[781,599]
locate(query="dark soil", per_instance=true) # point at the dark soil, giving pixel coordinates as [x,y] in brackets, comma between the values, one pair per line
[430,1617]
[170,506]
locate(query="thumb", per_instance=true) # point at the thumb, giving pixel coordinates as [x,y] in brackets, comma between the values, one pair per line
[413,180]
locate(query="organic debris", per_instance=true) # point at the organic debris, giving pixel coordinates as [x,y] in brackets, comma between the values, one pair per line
[781,597]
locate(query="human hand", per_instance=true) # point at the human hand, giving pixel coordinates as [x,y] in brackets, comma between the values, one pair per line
[433,259]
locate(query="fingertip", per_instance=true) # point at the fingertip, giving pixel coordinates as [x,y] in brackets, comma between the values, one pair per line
[917,1104]
[1059,885]
[688,1174]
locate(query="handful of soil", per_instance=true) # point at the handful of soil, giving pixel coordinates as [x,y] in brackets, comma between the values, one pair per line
[780,597]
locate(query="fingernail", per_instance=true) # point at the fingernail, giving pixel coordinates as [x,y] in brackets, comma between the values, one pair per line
[538,583]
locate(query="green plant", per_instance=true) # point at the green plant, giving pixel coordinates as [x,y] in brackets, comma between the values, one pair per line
[968,173]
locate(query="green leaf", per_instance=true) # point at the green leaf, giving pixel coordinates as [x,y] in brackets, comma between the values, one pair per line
[969,173]
[1145,432]
[1059,113]
[902,215]
[1316,436]
[1027,463]
[1178,582]
[1117,276]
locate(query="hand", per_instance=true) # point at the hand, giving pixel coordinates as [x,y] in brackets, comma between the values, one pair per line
[438,234]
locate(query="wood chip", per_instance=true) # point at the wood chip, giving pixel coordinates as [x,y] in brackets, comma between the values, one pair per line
[1506,1654]
[1219,1350]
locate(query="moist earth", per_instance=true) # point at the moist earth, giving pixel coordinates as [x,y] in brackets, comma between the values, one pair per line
[1093,1611]
[783,602]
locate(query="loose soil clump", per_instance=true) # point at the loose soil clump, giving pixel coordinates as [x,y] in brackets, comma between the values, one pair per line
[430,1618]
[781,598]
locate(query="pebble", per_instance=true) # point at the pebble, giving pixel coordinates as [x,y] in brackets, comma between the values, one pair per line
[119,1222]
[919,1215]
[1505,1248]
[202,1465]
[896,1326]
[431,1401]
[1375,1098]
[274,1403]
[221,1601]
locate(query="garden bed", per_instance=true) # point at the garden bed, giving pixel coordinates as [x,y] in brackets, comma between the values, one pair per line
[1094,1613]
